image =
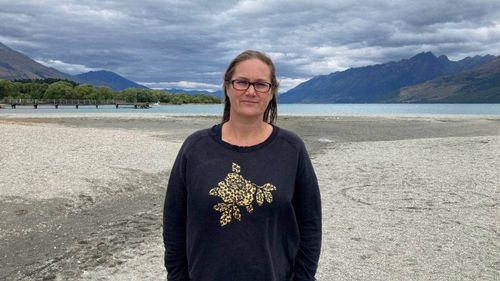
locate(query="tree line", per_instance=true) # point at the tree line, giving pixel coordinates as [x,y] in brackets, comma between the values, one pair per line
[65,89]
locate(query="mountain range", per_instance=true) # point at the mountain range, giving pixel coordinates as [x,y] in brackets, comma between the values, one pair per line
[109,79]
[17,66]
[478,85]
[423,78]
[217,93]
[391,82]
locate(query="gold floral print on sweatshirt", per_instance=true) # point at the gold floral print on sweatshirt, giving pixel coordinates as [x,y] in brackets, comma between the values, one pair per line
[235,192]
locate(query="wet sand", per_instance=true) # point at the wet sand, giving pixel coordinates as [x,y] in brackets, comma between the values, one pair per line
[404,198]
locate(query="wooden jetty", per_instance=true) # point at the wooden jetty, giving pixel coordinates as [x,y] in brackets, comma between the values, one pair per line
[76,103]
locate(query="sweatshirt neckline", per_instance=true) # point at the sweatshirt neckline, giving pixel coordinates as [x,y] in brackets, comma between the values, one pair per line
[216,133]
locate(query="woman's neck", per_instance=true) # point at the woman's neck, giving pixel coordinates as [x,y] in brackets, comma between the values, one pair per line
[249,133]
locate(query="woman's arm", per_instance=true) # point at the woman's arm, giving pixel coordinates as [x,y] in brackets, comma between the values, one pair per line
[174,223]
[307,205]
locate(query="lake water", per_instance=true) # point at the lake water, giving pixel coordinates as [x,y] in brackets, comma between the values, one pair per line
[290,109]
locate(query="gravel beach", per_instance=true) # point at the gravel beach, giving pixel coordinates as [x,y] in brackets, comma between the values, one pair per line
[404,197]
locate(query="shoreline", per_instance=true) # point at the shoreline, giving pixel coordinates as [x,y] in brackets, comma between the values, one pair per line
[81,196]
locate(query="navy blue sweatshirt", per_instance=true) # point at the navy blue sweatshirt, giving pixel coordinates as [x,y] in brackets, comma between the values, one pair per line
[242,213]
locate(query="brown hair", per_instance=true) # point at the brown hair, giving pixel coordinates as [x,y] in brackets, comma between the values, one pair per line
[271,113]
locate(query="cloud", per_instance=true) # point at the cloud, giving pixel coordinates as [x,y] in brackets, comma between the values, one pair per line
[13,42]
[184,85]
[172,41]
[65,67]
[288,83]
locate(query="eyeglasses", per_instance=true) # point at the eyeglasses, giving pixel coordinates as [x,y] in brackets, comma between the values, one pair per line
[243,85]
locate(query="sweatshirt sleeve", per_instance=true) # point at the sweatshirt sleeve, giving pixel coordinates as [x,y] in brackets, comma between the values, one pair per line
[174,222]
[307,205]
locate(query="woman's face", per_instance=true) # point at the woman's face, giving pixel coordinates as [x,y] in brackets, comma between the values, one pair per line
[249,103]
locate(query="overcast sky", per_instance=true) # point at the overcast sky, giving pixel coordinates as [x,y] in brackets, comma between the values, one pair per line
[188,44]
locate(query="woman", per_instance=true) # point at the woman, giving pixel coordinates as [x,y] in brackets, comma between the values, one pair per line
[242,200]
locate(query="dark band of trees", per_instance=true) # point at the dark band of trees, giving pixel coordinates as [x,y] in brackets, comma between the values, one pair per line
[64,89]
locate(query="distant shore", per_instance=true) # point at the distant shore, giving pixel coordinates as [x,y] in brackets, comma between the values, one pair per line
[81,194]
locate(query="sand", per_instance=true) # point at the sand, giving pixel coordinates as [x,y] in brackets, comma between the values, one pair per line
[404,197]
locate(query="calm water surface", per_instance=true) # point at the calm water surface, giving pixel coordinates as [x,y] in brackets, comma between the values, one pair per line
[289,109]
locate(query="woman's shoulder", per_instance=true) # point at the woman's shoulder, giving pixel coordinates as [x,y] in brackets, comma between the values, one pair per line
[195,137]
[290,137]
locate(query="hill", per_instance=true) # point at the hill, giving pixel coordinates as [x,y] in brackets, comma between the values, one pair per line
[16,66]
[480,85]
[194,92]
[378,83]
[109,79]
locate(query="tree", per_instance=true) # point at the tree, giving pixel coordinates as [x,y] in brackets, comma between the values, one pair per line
[104,93]
[143,95]
[59,90]
[128,95]
[34,90]
[85,91]
[165,97]
[7,89]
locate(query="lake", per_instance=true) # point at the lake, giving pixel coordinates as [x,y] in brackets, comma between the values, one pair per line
[290,109]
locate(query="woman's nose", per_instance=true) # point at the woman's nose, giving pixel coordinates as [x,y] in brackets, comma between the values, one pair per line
[251,90]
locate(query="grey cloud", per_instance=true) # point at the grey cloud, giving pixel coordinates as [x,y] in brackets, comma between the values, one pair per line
[171,41]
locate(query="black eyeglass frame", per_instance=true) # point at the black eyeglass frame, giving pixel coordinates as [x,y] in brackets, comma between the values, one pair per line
[251,84]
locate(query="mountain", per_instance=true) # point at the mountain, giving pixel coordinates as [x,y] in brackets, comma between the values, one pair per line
[217,93]
[479,85]
[109,79]
[378,83]
[16,66]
